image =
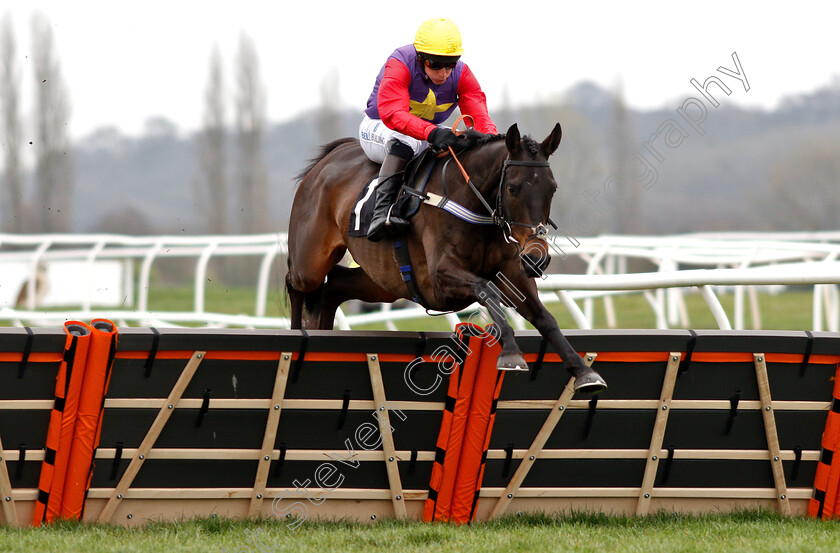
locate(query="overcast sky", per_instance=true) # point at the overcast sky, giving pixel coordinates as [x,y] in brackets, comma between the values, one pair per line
[125,62]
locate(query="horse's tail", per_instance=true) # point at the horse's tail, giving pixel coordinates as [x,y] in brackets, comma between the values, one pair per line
[325,150]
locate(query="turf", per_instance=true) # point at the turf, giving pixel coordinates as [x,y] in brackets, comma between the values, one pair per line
[758,531]
[790,310]
[786,311]
[748,531]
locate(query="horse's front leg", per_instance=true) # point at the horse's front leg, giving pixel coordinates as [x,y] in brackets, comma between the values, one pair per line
[462,284]
[522,293]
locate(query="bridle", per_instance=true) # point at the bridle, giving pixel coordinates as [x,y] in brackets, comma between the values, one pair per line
[540,231]
[499,215]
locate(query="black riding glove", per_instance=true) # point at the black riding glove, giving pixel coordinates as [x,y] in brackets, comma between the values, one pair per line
[441,138]
[472,136]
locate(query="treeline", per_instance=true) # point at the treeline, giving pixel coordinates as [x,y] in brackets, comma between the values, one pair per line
[47,199]
[749,170]
[46,205]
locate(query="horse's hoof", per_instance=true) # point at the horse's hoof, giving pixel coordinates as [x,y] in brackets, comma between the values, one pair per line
[511,362]
[590,383]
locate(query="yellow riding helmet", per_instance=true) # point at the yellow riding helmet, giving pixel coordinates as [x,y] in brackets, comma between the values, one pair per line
[439,37]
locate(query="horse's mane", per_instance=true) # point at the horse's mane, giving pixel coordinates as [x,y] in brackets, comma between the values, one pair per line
[325,149]
[526,142]
[486,139]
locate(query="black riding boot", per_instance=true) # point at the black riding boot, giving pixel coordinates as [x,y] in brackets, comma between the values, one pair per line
[383,226]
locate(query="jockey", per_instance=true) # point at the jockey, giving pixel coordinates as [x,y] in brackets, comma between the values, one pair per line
[418,88]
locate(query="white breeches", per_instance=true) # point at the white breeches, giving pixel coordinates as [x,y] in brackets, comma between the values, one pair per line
[376,139]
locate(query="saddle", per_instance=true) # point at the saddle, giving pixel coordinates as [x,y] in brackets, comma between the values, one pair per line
[416,176]
[414,179]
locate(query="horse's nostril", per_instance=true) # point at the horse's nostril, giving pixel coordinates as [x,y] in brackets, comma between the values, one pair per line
[534,264]
[537,260]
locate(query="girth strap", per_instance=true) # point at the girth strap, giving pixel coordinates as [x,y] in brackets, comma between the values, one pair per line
[406,270]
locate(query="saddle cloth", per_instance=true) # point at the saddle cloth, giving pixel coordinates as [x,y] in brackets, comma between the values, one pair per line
[362,212]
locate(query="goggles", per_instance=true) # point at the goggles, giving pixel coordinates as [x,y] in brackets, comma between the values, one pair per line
[436,65]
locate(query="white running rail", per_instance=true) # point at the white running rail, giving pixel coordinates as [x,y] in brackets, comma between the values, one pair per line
[98,275]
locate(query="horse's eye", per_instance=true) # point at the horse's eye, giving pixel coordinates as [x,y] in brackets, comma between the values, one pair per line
[512,189]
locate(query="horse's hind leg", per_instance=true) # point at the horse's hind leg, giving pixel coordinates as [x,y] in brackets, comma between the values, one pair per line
[343,284]
[295,305]
[310,260]
[305,307]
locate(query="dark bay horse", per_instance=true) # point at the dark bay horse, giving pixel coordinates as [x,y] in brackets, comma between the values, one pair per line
[455,262]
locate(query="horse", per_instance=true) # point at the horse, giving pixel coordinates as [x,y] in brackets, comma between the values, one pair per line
[455,263]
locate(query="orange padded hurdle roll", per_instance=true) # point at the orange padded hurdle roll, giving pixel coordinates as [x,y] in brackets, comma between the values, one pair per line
[464,436]
[68,388]
[100,359]
[825,502]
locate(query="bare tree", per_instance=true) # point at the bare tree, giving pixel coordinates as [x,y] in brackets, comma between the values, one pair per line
[53,171]
[578,206]
[626,185]
[802,187]
[212,192]
[250,118]
[14,212]
[506,115]
[126,219]
[329,113]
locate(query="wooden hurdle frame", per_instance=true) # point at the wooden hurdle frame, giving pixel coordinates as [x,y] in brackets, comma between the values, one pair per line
[187,351]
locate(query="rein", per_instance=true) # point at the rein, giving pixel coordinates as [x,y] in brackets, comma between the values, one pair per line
[472,186]
[498,215]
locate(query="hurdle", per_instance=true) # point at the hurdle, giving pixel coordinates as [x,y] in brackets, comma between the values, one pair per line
[321,424]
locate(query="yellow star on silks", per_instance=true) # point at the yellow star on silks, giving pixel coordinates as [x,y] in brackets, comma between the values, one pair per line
[428,107]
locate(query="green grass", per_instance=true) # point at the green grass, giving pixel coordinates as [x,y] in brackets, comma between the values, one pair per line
[787,311]
[218,299]
[790,310]
[749,531]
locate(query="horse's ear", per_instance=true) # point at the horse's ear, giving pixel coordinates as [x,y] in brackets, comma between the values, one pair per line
[551,143]
[512,138]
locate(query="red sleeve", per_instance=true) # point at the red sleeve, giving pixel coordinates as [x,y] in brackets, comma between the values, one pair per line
[393,102]
[471,101]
